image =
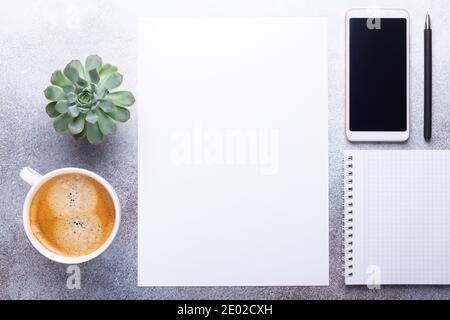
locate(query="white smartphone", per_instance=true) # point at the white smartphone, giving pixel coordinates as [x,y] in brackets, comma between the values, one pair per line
[377,75]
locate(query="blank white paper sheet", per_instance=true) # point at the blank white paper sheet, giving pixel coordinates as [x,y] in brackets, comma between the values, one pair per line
[233,152]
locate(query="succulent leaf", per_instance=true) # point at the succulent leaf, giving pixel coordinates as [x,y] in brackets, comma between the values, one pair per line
[59,79]
[69,89]
[54,93]
[79,67]
[106,105]
[122,98]
[93,133]
[84,110]
[51,111]
[93,62]
[119,114]
[82,83]
[74,111]
[82,134]
[61,122]
[106,70]
[94,75]
[71,73]
[77,125]
[91,117]
[106,124]
[111,81]
[101,92]
[71,97]
[62,106]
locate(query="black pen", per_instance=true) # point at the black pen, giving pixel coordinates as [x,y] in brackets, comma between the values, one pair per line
[427,80]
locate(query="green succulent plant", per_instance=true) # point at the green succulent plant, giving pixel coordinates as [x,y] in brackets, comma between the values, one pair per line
[81,100]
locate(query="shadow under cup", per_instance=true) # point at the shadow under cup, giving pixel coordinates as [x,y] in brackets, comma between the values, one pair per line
[39,185]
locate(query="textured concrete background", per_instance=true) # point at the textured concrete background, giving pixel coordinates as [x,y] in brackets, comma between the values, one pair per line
[40,36]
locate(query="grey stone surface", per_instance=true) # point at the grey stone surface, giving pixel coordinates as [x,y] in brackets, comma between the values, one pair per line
[38,37]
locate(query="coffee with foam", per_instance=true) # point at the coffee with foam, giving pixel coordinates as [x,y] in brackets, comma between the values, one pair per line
[72,215]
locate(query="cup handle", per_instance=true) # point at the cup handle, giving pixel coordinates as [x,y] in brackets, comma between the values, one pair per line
[30,176]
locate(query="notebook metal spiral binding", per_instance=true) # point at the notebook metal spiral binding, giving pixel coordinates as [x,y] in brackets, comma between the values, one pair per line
[347,219]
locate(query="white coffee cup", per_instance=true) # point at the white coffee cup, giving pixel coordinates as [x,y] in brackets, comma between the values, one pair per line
[36,181]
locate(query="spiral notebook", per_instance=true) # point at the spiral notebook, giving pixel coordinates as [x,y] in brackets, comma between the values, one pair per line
[397,217]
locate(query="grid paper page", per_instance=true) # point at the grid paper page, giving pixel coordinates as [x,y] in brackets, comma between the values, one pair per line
[401,210]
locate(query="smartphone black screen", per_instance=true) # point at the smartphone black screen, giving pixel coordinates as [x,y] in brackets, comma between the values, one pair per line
[378,74]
